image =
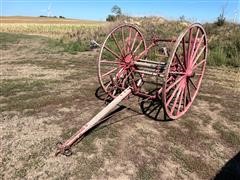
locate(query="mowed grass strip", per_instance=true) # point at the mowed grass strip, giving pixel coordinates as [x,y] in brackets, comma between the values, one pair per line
[20,94]
[13,86]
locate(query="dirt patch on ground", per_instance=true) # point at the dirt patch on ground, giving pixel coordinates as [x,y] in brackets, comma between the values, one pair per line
[30,71]
[46,97]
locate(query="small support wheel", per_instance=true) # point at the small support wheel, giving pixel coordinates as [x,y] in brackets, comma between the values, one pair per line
[185,71]
[116,59]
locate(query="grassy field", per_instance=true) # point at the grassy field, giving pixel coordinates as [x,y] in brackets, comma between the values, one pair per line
[49,89]
[47,94]
[74,35]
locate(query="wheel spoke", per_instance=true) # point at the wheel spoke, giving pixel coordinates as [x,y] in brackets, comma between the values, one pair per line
[185,97]
[109,72]
[184,53]
[175,83]
[109,62]
[179,61]
[196,65]
[154,108]
[140,43]
[173,94]
[123,40]
[197,48]
[141,54]
[134,40]
[108,85]
[129,40]
[192,83]
[169,79]
[115,41]
[189,93]
[176,99]
[189,45]
[120,73]
[194,43]
[198,56]
[111,51]
[150,104]
[197,74]
[158,111]
[180,101]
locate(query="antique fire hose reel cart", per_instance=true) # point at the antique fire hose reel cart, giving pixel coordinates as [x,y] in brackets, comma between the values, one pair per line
[173,78]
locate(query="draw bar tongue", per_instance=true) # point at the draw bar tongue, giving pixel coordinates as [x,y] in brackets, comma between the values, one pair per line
[65,148]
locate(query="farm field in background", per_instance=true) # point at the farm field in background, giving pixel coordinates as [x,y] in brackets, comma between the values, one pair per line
[46,20]
[75,35]
[53,27]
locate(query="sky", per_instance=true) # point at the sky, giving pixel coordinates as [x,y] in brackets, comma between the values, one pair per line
[194,10]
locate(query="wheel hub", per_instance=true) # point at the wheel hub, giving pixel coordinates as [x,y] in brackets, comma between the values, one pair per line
[128,59]
[127,62]
[190,73]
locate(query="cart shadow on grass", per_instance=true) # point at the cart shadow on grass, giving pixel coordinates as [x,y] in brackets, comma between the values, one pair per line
[153,109]
[149,108]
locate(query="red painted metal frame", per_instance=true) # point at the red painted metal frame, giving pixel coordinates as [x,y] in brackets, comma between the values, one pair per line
[126,60]
[183,70]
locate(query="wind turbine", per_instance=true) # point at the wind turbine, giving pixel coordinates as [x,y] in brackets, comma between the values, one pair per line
[49,10]
[236,16]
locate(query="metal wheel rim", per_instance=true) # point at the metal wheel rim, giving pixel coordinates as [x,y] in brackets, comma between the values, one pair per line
[164,94]
[102,48]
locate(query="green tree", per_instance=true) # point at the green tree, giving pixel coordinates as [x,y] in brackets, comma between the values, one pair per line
[221,19]
[111,18]
[116,14]
[116,10]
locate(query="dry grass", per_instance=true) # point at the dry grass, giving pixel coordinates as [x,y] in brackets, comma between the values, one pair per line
[45,20]
[52,27]
[46,96]
[52,30]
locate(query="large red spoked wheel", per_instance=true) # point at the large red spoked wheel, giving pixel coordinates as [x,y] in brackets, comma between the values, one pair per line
[185,71]
[117,55]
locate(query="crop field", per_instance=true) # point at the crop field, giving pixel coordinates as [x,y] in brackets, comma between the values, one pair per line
[51,27]
[45,20]
[48,92]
